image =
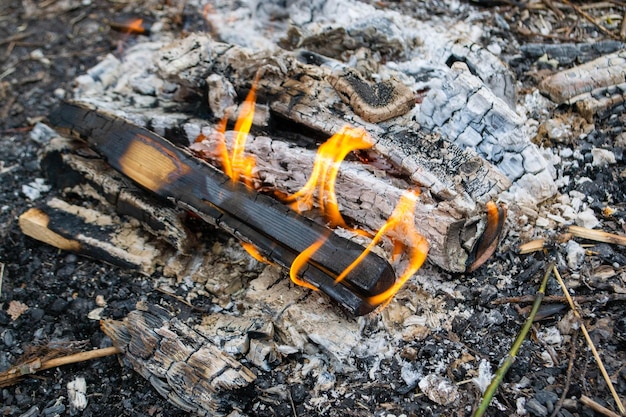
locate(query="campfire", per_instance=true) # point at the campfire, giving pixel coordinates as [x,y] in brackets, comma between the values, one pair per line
[344,167]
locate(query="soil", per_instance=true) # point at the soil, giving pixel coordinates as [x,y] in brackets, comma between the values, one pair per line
[45,46]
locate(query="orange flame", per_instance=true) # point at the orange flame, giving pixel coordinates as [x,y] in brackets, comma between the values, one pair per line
[400,227]
[325,170]
[301,260]
[235,164]
[136,26]
[254,252]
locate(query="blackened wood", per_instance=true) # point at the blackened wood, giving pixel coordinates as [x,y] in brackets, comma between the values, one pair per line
[90,233]
[68,163]
[173,173]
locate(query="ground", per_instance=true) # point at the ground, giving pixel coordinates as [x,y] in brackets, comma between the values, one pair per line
[44,47]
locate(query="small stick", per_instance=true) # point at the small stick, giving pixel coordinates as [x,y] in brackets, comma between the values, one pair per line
[510,358]
[597,407]
[1,276]
[607,379]
[568,377]
[13,374]
[532,246]
[559,14]
[590,19]
[597,235]
[599,298]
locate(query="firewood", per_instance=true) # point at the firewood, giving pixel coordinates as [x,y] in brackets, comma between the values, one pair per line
[91,233]
[603,72]
[279,233]
[298,87]
[69,163]
[367,195]
[181,364]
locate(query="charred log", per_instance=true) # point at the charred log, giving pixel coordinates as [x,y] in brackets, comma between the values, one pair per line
[279,233]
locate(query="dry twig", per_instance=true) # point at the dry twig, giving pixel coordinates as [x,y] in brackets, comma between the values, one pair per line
[595,298]
[607,379]
[591,20]
[15,373]
[597,407]
[568,377]
[597,235]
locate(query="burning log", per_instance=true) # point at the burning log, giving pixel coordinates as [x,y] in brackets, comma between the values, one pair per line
[453,236]
[456,183]
[279,233]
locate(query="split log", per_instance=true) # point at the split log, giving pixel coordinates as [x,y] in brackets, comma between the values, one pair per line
[91,233]
[597,88]
[70,163]
[181,364]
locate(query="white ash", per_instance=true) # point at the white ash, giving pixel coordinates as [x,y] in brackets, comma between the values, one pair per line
[34,190]
[77,395]
[410,375]
[472,114]
[42,133]
[575,255]
[602,157]
[484,377]
[520,406]
[587,218]
[550,335]
[439,389]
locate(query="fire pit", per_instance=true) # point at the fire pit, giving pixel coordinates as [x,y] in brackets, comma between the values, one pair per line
[441,148]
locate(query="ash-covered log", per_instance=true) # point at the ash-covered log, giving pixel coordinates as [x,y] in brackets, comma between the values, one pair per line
[298,88]
[181,364]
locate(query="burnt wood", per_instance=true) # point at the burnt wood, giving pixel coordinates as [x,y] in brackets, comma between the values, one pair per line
[279,233]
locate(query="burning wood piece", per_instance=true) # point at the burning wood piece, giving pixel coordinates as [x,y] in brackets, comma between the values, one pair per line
[458,181]
[365,195]
[131,25]
[181,364]
[279,233]
[596,87]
